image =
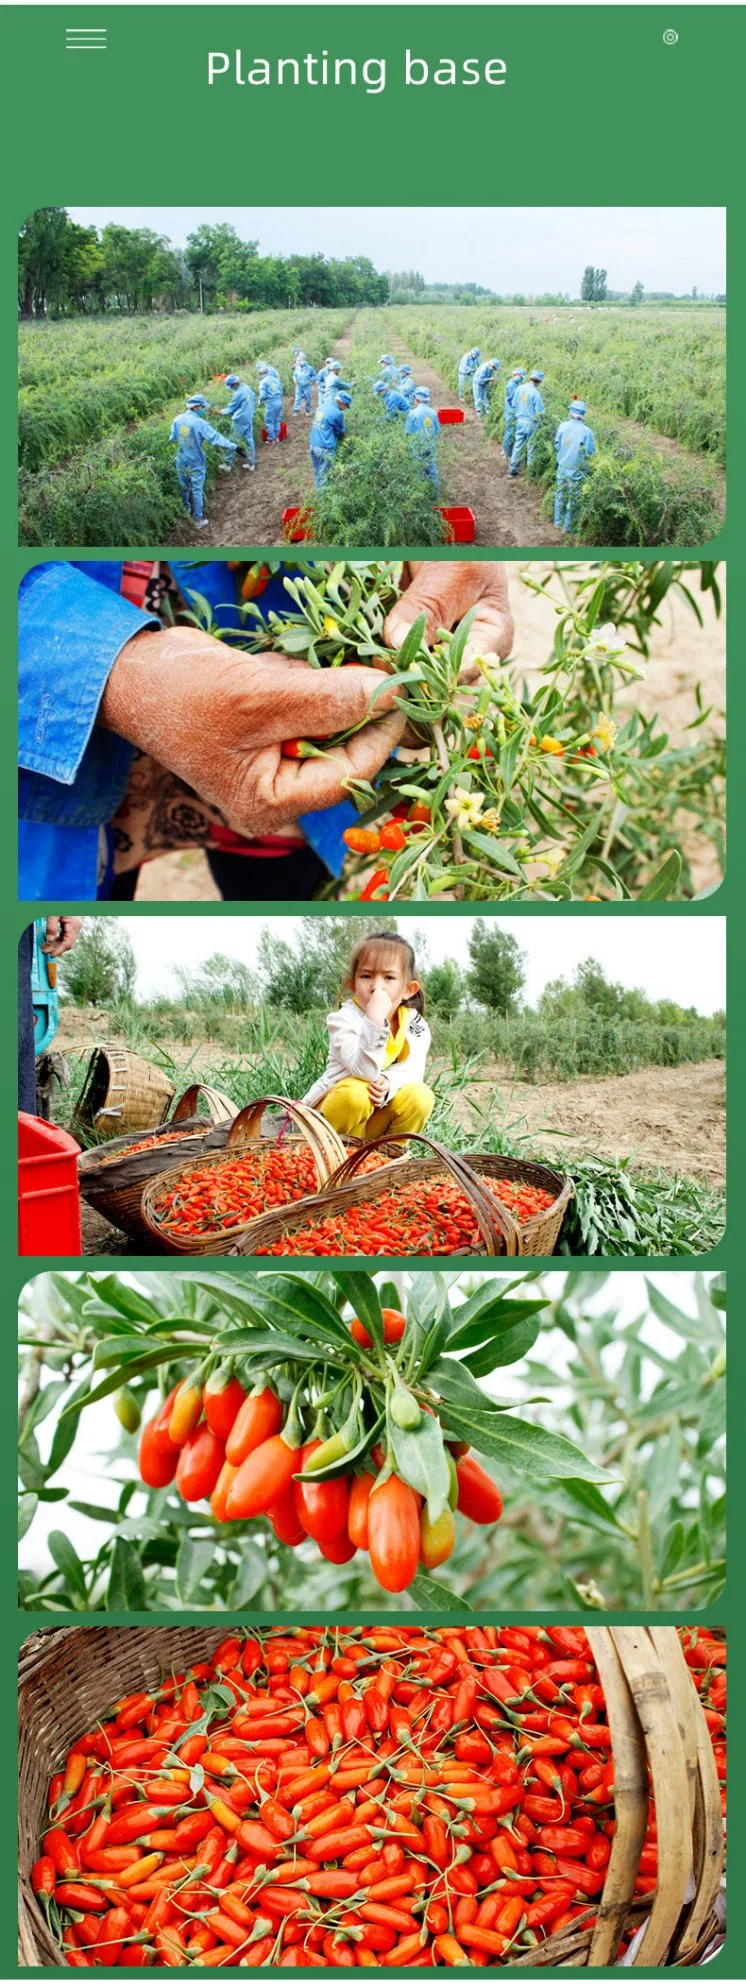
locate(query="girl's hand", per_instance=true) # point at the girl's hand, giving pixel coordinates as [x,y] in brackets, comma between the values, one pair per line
[378,1090]
[379,1006]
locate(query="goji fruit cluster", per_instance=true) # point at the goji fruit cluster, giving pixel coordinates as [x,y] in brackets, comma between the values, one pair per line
[325,1797]
[249,1457]
[232,1194]
[430,1217]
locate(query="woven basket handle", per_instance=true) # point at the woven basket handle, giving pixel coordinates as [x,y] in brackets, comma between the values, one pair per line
[219,1107]
[327,1148]
[496,1223]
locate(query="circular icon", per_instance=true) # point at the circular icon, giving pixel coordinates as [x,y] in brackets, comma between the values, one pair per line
[670,36]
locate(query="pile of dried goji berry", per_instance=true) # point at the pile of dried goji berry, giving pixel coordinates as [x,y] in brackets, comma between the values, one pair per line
[233,1192]
[428,1217]
[336,1797]
[144,1145]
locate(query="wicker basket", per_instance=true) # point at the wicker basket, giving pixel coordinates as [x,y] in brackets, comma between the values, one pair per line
[501,1234]
[122,1093]
[245,1136]
[115,1187]
[66,1677]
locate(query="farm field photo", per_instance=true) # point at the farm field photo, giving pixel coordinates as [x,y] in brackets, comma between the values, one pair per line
[521,377]
[499,731]
[375,1797]
[277,1088]
[241,1436]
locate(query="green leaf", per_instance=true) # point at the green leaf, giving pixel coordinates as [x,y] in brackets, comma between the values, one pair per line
[458,1389]
[673,1547]
[121,1296]
[27,1507]
[194,1558]
[420,1458]
[579,851]
[524,1447]
[593,1507]
[250,1577]
[41,1406]
[664,883]
[66,1430]
[683,1323]
[412,643]
[488,845]
[295,1304]
[342,1465]
[494,1321]
[359,1290]
[65,1557]
[126,1593]
[427,1593]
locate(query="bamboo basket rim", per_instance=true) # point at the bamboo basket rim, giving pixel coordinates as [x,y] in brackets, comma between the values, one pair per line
[245,1135]
[496,1222]
[654,1716]
[145,1082]
[116,1174]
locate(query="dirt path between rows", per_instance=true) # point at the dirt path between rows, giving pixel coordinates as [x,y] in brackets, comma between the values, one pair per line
[674,1119]
[246,510]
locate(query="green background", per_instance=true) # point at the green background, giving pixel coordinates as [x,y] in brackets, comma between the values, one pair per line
[597,110]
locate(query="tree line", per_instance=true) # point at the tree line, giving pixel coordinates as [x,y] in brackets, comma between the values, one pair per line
[65,269]
[308,973]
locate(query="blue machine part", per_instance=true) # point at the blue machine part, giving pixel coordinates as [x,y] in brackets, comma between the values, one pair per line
[43,992]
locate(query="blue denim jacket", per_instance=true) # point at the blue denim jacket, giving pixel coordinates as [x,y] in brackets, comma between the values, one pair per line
[73,623]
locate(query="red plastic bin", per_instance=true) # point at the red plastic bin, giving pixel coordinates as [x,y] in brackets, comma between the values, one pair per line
[290,526]
[461,521]
[283,432]
[48,1197]
[450,417]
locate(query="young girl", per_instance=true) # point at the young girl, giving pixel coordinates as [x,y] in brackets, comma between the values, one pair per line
[378,1042]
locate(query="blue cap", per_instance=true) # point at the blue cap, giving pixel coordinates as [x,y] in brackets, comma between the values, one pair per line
[380,386]
[518,373]
[422,393]
[197,400]
[576,407]
[345,398]
[295,349]
[261,366]
[386,359]
[232,380]
[536,375]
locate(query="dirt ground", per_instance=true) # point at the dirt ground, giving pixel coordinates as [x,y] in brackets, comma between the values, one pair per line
[246,510]
[674,1119]
[682,655]
[668,1118]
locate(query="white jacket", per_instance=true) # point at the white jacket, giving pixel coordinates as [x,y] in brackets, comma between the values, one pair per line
[357,1048]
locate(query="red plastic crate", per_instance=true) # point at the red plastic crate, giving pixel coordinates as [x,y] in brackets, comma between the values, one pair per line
[283,432]
[290,524]
[461,522]
[48,1197]
[450,417]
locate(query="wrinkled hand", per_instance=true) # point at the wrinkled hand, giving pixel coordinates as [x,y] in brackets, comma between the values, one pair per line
[218,720]
[445,590]
[60,936]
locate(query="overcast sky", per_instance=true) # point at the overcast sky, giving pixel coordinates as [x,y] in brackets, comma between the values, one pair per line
[667,957]
[506,249]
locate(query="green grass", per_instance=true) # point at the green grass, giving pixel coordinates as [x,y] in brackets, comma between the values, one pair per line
[95,463]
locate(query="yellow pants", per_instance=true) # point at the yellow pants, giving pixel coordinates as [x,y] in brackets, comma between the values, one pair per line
[350,1109]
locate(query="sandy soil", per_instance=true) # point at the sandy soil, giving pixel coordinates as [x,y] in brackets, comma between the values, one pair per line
[682,655]
[668,1118]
